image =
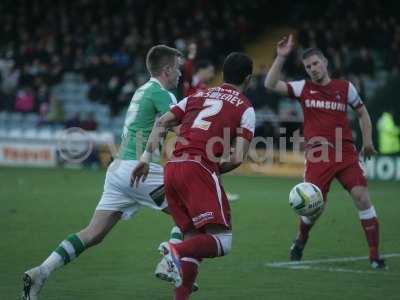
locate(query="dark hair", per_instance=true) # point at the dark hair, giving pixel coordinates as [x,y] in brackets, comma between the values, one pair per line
[237,66]
[312,51]
[202,64]
[160,56]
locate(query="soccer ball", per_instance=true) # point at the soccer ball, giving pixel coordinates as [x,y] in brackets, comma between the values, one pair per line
[306,199]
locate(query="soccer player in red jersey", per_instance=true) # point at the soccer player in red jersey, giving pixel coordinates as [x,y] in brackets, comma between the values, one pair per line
[212,120]
[324,102]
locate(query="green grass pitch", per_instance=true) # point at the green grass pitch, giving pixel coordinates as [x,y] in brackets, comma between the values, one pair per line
[39,208]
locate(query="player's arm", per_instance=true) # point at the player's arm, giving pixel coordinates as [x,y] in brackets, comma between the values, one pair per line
[356,103]
[167,121]
[241,147]
[272,80]
[162,102]
[242,142]
[368,148]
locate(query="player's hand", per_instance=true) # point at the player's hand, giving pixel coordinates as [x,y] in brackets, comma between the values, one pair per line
[139,173]
[285,46]
[368,151]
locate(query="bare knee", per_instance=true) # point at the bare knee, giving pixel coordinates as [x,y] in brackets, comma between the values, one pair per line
[91,236]
[100,224]
[361,197]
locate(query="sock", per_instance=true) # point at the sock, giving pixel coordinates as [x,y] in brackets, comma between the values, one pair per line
[304,229]
[200,246]
[189,270]
[176,235]
[370,224]
[68,250]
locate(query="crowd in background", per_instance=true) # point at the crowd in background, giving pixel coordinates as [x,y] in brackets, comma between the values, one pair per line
[106,42]
[357,44]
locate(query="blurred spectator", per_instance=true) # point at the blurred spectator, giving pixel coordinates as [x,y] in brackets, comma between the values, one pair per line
[24,100]
[90,123]
[56,111]
[204,73]
[362,63]
[187,70]
[75,121]
[389,134]
[43,113]
[96,91]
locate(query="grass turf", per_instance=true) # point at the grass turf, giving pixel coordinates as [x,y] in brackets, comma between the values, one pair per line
[39,208]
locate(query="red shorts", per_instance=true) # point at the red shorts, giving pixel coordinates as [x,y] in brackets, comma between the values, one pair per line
[195,197]
[347,170]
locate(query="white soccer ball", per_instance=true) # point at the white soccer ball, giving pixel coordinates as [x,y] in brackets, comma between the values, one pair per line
[306,199]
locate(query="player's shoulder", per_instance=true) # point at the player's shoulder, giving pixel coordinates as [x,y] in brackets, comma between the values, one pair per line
[156,92]
[247,103]
[341,83]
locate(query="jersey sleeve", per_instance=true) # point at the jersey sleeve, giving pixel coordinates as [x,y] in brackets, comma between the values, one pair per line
[353,98]
[248,124]
[295,88]
[179,109]
[162,101]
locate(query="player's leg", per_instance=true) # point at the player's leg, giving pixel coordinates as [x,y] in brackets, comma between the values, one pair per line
[152,194]
[321,174]
[109,210]
[354,181]
[213,240]
[201,209]
[189,267]
[68,250]
[197,201]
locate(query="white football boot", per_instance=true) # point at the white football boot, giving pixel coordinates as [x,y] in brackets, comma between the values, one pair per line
[33,281]
[163,271]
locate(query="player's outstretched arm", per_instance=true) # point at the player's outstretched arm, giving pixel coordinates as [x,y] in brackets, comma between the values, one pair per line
[167,121]
[272,81]
[241,147]
[368,148]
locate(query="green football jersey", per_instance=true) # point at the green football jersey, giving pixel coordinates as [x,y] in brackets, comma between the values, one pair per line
[150,101]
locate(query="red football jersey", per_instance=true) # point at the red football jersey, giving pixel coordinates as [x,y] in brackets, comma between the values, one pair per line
[325,108]
[210,120]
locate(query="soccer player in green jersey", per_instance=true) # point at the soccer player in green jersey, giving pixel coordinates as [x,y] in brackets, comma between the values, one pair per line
[119,199]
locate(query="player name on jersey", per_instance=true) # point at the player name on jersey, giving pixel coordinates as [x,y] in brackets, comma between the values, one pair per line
[331,105]
[219,93]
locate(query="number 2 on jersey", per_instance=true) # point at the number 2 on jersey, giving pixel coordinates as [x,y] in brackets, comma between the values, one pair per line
[211,108]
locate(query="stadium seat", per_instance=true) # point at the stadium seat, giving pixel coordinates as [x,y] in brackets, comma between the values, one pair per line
[30,133]
[15,133]
[45,134]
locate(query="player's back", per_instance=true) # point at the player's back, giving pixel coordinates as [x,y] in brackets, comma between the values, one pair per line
[149,101]
[210,120]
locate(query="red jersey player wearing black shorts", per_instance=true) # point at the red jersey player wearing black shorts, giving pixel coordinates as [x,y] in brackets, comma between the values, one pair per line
[324,102]
[211,121]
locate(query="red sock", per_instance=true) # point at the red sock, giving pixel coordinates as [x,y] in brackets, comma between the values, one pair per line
[189,270]
[199,246]
[371,229]
[304,230]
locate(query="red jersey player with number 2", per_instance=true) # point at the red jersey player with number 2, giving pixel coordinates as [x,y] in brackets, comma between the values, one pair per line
[211,122]
[324,102]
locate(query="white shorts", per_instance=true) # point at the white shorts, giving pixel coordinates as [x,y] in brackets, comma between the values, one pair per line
[118,195]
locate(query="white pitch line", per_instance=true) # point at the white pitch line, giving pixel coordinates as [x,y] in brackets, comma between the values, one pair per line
[292,264]
[340,270]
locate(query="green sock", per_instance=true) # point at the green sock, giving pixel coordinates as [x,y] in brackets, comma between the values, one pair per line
[70,248]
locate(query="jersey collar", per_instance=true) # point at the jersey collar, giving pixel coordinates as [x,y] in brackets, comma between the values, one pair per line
[229,87]
[153,79]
